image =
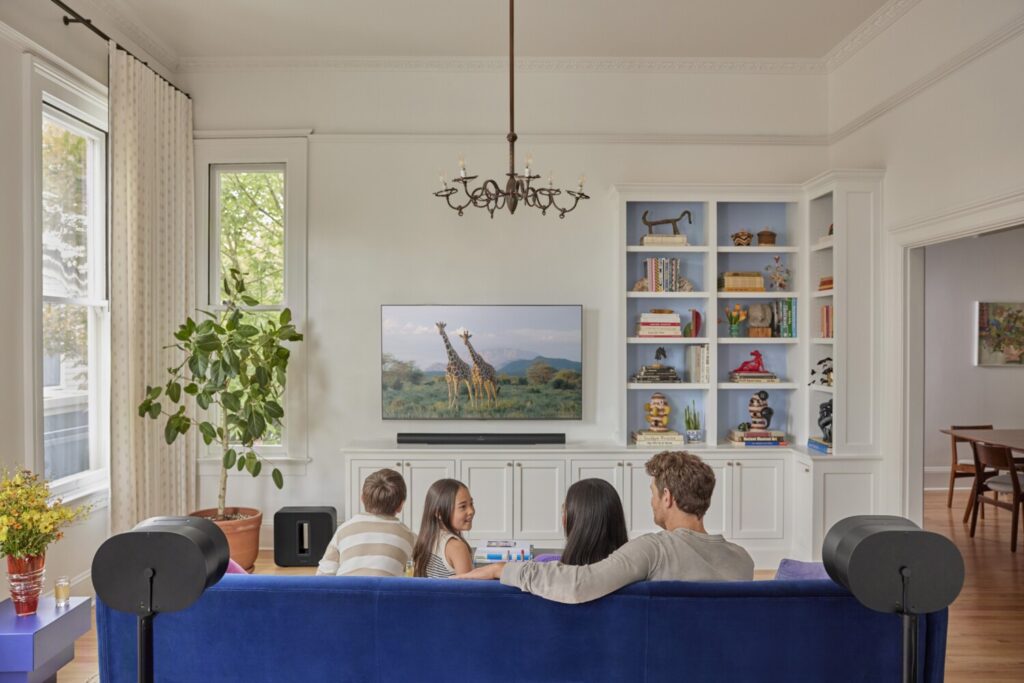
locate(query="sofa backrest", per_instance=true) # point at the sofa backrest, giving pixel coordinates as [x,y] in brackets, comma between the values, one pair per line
[275,628]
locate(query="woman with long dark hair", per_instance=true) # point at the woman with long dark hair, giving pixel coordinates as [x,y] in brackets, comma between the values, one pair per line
[595,525]
[440,550]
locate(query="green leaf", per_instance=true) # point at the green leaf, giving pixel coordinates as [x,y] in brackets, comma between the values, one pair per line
[203,400]
[250,300]
[278,478]
[231,401]
[171,430]
[153,393]
[257,425]
[208,342]
[154,410]
[273,409]
[250,462]
[261,376]
[256,468]
[191,388]
[183,334]
[174,391]
[247,330]
[229,458]
[240,465]
[144,408]
[209,433]
[285,317]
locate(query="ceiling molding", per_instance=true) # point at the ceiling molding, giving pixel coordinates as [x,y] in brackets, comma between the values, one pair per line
[983,46]
[650,65]
[255,133]
[575,139]
[1006,207]
[139,34]
[886,15]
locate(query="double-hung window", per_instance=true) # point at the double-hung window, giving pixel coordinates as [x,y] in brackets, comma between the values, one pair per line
[251,203]
[69,330]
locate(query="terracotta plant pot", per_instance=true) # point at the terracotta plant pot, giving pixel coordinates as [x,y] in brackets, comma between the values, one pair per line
[25,575]
[243,534]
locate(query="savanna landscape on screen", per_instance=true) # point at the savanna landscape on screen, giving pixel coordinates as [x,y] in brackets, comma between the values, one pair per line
[481,362]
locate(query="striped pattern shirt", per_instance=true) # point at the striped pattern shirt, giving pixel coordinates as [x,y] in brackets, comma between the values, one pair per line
[368,545]
[438,566]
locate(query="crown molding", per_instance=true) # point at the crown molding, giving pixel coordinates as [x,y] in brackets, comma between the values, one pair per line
[575,139]
[254,133]
[886,15]
[134,30]
[628,65]
[983,46]
[53,60]
[996,212]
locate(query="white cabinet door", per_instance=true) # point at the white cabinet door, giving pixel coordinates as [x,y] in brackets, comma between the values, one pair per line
[539,492]
[490,483]
[758,498]
[803,509]
[359,470]
[637,486]
[609,470]
[420,475]
[717,518]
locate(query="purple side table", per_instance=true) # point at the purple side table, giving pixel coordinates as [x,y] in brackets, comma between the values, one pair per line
[33,648]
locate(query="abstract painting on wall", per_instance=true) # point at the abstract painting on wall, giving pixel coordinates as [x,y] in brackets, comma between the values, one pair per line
[999,334]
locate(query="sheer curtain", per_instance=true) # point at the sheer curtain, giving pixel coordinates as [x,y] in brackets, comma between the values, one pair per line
[152,283]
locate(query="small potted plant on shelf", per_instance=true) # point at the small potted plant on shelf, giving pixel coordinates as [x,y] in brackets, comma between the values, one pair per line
[735,317]
[29,523]
[692,421]
[234,364]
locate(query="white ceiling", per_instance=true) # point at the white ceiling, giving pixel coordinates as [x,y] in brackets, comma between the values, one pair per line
[751,29]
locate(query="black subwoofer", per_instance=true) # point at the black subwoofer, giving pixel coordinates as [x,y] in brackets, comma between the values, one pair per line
[301,534]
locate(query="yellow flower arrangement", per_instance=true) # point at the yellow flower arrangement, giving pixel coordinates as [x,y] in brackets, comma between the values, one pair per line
[735,316]
[29,520]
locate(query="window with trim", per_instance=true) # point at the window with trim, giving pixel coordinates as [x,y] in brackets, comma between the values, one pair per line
[251,195]
[73,341]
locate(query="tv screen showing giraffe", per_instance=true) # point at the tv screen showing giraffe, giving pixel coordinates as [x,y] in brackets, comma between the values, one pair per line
[481,362]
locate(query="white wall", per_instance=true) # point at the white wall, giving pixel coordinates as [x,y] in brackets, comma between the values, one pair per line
[957,274]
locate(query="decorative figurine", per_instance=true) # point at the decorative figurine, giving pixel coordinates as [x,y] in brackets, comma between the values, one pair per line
[778,274]
[822,374]
[756,365]
[759,320]
[657,410]
[753,370]
[692,328]
[825,420]
[760,412]
[743,238]
[674,222]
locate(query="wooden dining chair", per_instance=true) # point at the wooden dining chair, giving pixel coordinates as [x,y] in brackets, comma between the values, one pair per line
[959,469]
[987,480]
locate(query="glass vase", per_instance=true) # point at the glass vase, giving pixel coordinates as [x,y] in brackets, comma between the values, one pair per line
[25,575]
[734,330]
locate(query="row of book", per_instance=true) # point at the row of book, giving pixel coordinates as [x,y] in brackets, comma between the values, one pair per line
[819,445]
[659,324]
[825,283]
[663,275]
[825,328]
[784,318]
[658,439]
[698,364]
[752,377]
[757,438]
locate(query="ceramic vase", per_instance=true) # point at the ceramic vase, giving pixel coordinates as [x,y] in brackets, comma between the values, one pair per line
[25,574]
[734,330]
[694,436]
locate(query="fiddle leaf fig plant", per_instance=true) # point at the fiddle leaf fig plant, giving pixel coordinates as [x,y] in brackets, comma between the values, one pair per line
[235,365]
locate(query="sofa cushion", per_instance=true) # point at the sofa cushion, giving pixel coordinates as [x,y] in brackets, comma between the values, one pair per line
[795,570]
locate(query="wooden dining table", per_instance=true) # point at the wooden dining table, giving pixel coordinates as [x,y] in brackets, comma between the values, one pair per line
[1010,438]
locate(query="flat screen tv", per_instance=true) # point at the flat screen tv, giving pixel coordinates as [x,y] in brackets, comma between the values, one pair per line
[481,362]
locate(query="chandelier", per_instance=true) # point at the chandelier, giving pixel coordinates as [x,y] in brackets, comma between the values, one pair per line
[518,187]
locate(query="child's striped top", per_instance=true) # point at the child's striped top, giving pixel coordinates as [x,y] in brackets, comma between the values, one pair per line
[368,545]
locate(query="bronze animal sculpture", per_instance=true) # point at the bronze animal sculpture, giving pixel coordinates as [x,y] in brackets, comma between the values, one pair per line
[674,222]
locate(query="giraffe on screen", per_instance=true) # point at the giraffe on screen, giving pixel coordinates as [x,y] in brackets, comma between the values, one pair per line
[457,372]
[485,379]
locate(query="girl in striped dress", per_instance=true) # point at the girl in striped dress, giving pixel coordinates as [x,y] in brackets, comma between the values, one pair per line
[440,550]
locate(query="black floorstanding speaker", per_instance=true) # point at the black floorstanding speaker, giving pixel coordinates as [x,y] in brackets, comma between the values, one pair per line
[478,439]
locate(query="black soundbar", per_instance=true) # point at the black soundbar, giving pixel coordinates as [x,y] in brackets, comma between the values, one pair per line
[448,439]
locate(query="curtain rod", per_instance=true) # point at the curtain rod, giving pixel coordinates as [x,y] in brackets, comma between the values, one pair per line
[79,19]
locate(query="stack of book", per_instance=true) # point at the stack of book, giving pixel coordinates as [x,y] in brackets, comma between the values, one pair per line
[825,283]
[646,437]
[755,438]
[664,241]
[819,445]
[826,322]
[663,275]
[659,324]
[698,362]
[657,373]
[753,377]
[741,282]
[784,318]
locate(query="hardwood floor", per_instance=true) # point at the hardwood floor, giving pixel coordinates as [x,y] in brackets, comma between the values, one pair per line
[986,624]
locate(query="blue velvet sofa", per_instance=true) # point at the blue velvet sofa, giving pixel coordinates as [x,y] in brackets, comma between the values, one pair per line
[275,628]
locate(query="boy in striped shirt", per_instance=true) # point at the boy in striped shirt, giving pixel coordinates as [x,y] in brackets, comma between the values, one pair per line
[375,543]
